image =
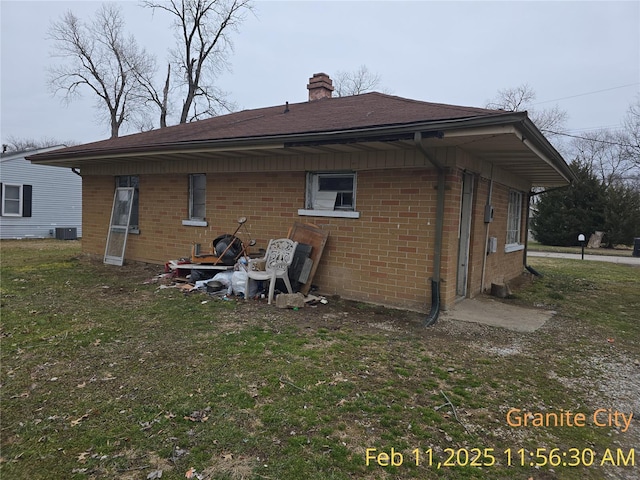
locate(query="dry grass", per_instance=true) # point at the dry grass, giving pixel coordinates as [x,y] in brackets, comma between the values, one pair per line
[106,376]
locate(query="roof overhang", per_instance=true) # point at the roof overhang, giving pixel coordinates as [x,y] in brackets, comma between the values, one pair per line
[510,141]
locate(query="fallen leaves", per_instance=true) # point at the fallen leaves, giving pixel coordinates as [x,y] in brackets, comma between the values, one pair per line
[338,377]
[21,395]
[199,415]
[191,473]
[252,391]
[79,420]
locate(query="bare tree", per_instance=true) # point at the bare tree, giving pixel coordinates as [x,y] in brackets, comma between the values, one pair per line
[203,33]
[145,73]
[14,144]
[604,153]
[613,155]
[98,57]
[355,83]
[551,121]
[631,133]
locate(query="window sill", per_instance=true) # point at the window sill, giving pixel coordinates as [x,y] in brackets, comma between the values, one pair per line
[513,247]
[328,213]
[195,223]
[134,231]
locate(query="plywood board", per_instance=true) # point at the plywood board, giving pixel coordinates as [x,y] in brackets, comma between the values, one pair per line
[309,234]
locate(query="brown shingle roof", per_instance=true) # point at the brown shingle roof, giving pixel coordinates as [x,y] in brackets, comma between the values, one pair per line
[508,139]
[326,115]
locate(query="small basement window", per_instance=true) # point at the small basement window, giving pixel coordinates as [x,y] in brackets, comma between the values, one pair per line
[331,195]
[197,200]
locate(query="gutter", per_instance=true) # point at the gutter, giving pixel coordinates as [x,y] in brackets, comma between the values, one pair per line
[432,317]
[95,151]
[531,137]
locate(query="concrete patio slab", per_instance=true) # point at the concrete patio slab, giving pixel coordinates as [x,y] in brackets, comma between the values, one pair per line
[488,311]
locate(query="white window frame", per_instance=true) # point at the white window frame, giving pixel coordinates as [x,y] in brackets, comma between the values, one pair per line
[315,198]
[4,200]
[134,228]
[197,212]
[514,222]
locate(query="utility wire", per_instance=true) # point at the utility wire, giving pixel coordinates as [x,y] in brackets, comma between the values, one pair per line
[587,93]
[618,144]
[617,126]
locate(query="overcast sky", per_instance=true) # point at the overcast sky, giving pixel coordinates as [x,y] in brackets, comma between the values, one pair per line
[582,56]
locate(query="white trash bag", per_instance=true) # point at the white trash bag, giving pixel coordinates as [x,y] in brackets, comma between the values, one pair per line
[239,282]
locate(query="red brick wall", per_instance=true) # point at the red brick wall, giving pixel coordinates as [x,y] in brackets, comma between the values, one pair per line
[97,201]
[386,256]
[270,201]
[500,266]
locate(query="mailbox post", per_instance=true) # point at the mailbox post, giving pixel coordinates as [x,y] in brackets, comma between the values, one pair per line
[581,239]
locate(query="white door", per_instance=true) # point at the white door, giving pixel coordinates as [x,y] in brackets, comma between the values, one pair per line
[119,226]
[465,235]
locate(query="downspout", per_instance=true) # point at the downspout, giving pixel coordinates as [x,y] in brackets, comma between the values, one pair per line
[432,317]
[73,169]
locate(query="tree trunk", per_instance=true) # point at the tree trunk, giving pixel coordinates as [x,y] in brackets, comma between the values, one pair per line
[115,128]
[165,95]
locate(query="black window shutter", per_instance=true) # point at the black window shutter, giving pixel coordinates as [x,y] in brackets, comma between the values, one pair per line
[27,191]
[1,197]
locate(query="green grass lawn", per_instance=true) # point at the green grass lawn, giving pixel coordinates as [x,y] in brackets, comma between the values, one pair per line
[106,375]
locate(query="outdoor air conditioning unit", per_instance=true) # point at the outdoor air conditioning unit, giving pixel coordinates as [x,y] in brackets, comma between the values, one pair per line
[66,233]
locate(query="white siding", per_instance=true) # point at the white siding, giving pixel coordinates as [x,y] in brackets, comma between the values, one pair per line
[56,203]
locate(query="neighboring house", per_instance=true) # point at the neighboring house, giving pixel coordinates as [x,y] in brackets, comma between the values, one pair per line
[413,194]
[38,199]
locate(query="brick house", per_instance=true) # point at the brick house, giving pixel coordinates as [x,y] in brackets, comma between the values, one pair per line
[418,198]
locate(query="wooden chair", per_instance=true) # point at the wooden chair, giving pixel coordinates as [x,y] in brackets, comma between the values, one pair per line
[276,263]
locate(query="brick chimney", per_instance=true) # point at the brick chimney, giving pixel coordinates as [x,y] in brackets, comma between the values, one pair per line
[320,86]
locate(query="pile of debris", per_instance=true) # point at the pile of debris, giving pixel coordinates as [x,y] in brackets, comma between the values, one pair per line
[222,272]
[223,286]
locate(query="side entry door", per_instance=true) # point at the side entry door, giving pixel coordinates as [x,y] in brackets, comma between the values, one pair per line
[465,235]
